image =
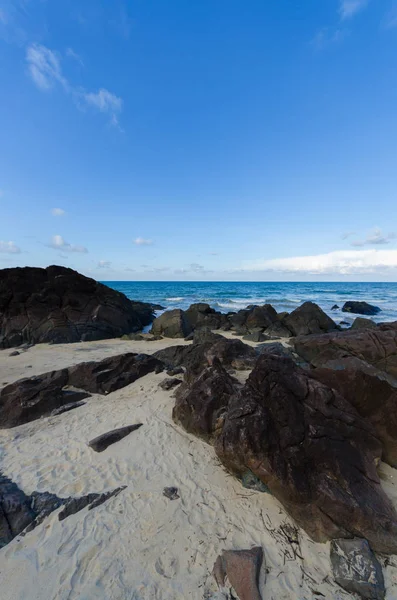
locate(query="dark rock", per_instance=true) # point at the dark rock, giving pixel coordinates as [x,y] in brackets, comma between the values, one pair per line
[256,337]
[240,331]
[360,308]
[378,347]
[202,315]
[66,408]
[171,493]
[136,337]
[308,319]
[277,330]
[190,337]
[282,315]
[112,373]
[106,496]
[242,568]
[100,443]
[232,353]
[356,569]
[335,307]
[199,407]
[15,353]
[175,371]
[361,323]
[308,445]
[57,305]
[252,482]
[15,510]
[274,348]
[172,324]
[261,316]
[345,323]
[238,320]
[169,384]
[205,335]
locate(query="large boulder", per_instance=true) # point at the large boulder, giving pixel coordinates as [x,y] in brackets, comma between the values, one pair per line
[58,305]
[202,315]
[253,317]
[308,445]
[172,324]
[360,308]
[308,319]
[362,323]
[378,347]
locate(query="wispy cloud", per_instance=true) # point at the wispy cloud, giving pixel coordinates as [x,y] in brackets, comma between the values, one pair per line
[327,37]
[349,8]
[342,262]
[139,241]
[375,237]
[9,248]
[59,243]
[58,212]
[44,67]
[70,53]
[104,264]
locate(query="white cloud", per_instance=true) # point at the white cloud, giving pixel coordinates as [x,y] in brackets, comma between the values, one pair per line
[70,53]
[9,248]
[139,241]
[45,67]
[105,102]
[104,264]
[349,8]
[375,237]
[45,70]
[58,243]
[58,212]
[343,262]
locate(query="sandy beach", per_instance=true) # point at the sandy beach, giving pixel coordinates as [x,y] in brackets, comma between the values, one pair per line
[140,545]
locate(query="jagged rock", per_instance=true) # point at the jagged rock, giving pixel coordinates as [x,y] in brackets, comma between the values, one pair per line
[66,408]
[199,407]
[57,305]
[278,330]
[175,371]
[335,307]
[356,569]
[15,510]
[112,373]
[261,316]
[202,315]
[74,505]
[237,320]
[169,383]
[242,568]
[172,324]
[100,443]
[256,337]
[309,446]
[308,319]
[361,323]
[360,308]
[204,335]
[378,347]
[240,331]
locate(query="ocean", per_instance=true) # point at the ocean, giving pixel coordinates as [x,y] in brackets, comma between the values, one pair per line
[226,296]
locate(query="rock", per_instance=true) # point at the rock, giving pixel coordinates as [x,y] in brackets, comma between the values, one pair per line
[169,383]
[274,348]
[57,304]
[238,319]
[335,307]
[136,337]
[190,337]
[232,353]
[308,319]
[112,373]
[242,568]
[256,337]
[100,443]
[205,335]
[345,323]
[261,316]
[15,353]
[171,493]
[361,323]
[66,408]
[74,505]
[15,510]
[200,406]
[240,331]
[377,347]
[172,324]
[356,569]
[278,330]
[282,315]
[202,315]
[252,482]
[360,308]
[305,442]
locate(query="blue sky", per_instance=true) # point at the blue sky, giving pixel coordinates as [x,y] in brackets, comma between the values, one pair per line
[211,140]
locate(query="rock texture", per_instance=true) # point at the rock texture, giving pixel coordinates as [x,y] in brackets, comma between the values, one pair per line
[172,324]
[57,305]
[242,568]
[356,569]
[308,319]
[31,398]
[360,308]
[362,323]
[103,441]
[202,315]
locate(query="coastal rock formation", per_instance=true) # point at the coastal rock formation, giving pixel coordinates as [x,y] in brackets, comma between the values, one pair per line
[172,324]
[202,315]
[362,323]
[253,317]
[57,304]
[308,319]
[242,568]
[100,443]
[360,308]
[31,398]
[303,440]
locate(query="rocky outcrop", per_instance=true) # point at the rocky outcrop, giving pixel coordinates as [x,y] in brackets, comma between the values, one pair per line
[31,398]
[172,324]
[303,440]
[308,319]
[362,323]
[58,305]
[356,569]
[360,308]
[103,441]
[278,330]
[242,568]
[253,317]
[202,315]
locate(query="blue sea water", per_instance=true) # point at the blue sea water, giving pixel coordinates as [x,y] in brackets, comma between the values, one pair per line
[226,296]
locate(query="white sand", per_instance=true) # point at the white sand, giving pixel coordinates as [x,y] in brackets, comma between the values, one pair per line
[140,545]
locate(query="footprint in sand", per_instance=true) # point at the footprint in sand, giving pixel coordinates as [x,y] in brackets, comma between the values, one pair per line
[167,566]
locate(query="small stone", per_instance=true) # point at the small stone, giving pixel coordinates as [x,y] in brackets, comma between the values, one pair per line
[171,493]
[15,353]
[100,443]
[175,371]
[252,482]
[335,307]
[169,383]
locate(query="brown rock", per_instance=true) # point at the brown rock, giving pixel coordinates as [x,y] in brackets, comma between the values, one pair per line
[242,568]
[308,319]
[172,324]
